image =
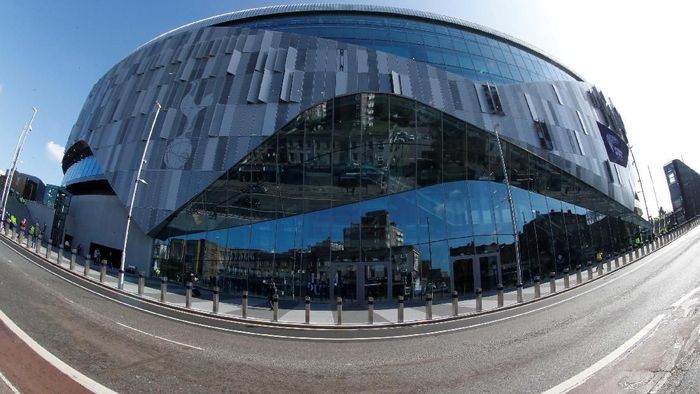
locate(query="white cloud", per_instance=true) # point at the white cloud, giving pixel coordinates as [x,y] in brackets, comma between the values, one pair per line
[1,87]
[55,151]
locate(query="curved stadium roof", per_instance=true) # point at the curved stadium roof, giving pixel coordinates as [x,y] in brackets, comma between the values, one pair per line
[363,9]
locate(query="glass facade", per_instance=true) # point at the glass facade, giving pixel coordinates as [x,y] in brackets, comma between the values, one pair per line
[472,54]
[378,195]
[87,167]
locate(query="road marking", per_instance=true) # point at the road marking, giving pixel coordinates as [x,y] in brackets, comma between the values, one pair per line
[578,379]
[161,338]
[685,298]
[9,384]
[637,266]
[53,360]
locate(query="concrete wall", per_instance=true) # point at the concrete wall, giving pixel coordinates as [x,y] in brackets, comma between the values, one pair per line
[102,219]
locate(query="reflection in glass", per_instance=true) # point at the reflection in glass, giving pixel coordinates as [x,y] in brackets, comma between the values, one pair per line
[378,195]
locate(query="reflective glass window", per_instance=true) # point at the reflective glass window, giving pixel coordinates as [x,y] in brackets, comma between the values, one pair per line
[457,210]
[429,146]
[429,211]
[347,148]
[318,148]
[402,159]
[408,39]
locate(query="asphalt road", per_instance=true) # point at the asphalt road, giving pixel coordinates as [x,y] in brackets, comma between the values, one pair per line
[528,349]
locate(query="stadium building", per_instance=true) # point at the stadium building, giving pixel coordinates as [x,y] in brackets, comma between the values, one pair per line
[350,150]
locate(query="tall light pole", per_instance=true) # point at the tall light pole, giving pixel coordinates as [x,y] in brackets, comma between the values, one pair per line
[656,197]
[13,166]
[641,186]
[133,196]
[518,267]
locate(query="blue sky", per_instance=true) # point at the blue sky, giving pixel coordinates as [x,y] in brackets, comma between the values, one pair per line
[52,52]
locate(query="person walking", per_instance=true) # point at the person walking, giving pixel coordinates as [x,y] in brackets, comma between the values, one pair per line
[271,291]
[23,228]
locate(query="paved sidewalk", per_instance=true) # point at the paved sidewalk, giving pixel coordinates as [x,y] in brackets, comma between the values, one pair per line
[325,314]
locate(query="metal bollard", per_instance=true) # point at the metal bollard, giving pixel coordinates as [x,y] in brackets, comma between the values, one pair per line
[28,239]
[103,271]
[578,274]
[429,306]
[142,282]
[37,245]
[307,310]
[599,268]
[339,310]
[537,286]
[72,259]
[399,311]
[552,282]
[215,300]
[275,307]
[608,266]
[636,254]
[455,303]
[590,271]
[566,278]
[48,250]
[163,288]
[120,286]
[59,254]
[499,296]
[617,262]
[244,304]
[188,295]
[630,257]
[519,291]
[370,310]
[86,268]
[479,300]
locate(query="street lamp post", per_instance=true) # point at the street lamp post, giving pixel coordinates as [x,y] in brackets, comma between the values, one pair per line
[13,166]
[641,186]
[518,268]
[138,179]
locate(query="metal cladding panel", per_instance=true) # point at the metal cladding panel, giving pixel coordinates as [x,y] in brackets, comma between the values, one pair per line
[200,136]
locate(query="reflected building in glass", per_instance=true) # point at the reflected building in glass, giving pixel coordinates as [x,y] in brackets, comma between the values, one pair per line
[349,151]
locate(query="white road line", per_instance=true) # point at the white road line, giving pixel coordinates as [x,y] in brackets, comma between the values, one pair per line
[578,379]
[53,360]
[158,337]
[685,298]
[9,384]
